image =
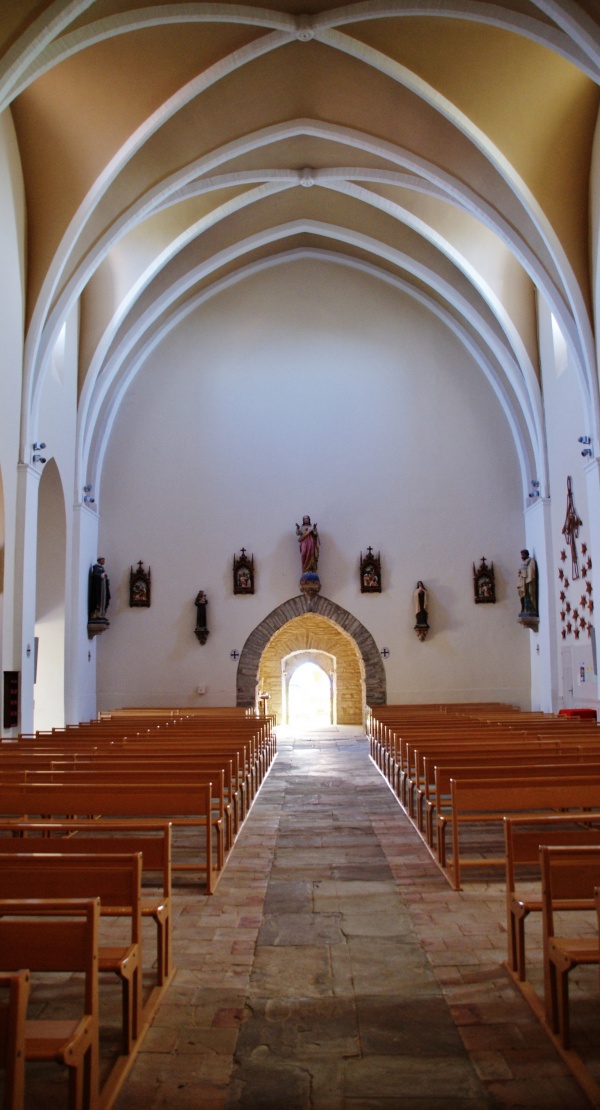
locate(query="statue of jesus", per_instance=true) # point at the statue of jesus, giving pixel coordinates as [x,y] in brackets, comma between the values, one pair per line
[308,538]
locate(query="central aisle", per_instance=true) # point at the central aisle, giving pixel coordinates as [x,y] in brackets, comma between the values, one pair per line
[334,968]
[343,1008]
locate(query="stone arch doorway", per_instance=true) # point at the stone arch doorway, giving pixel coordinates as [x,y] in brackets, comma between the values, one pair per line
[309,688]
[319,619]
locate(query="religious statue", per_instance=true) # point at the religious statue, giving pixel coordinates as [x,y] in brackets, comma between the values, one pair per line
[527,590]
[201,630]
[98,598]
[308,538]
[421,604]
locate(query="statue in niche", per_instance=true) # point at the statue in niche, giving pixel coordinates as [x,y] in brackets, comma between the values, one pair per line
[527,590]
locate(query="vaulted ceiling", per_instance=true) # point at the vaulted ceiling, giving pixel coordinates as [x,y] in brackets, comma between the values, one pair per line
[443,145]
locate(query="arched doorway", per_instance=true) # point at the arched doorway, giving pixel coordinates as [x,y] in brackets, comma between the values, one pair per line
[308,689]
[49,690]
[320,624]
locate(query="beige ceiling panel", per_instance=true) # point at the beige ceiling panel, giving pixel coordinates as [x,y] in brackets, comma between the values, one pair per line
[320,205]
[488,256]
[302,81]
[537,108]
[132,257]
[74,119]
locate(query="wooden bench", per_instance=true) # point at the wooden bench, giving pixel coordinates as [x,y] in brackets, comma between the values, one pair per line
[116,881]
[569,880]
[151,838]
[65,939]
[14,994]
[139,778]
[183,805]
[489,800]
[520,767]
[523,839]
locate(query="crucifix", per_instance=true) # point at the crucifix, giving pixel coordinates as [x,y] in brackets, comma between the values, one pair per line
[571,530]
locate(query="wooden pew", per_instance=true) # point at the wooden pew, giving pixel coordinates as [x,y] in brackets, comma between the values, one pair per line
[483,801]
[569,880]
[523,839]
[185,806]
[116,881]
[521,767]
[14,994]
[140,777]
[151,838]
[64,940]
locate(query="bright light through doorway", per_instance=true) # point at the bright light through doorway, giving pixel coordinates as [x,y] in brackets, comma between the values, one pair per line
[309,697]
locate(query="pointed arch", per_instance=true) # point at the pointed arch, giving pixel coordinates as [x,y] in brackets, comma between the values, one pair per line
[249,661]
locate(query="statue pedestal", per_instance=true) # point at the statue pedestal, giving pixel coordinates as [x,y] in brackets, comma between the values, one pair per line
[96,626]
[310,585]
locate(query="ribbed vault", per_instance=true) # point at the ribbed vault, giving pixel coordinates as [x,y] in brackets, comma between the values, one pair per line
[168,149]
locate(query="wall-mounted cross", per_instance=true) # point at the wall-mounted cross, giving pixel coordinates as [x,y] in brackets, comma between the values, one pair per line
[385,652]
[234,654]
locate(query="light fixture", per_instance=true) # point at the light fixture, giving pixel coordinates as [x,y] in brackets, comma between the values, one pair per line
[535,488]
[38,446]
[39,459]
[88,488]
[587,451]
[89,500]
[584,439]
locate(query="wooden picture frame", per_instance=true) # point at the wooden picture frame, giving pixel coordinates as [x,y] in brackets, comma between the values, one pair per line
[484,584]
[370,572]
[140,584]
[243,573]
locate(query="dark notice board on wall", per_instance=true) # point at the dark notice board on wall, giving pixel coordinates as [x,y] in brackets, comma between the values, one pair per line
[10,699]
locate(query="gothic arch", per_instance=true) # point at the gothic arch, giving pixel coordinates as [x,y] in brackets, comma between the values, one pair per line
[247,672]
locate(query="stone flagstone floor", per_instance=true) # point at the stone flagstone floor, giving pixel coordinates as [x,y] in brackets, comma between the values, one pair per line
[334,967]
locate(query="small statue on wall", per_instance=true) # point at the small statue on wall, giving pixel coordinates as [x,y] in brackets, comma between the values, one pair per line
[98,598]
[527,590]
[421,606]
[201,630]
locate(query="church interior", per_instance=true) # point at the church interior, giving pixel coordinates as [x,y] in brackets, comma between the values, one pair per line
[300,416]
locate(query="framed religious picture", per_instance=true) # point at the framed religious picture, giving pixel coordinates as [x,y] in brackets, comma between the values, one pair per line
[139,587]
[370,572]
[484,584]
[243,573]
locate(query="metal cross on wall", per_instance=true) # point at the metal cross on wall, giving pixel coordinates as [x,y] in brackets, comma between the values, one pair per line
[571,529]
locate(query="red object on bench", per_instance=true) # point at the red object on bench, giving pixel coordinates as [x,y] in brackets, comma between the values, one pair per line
[583,714]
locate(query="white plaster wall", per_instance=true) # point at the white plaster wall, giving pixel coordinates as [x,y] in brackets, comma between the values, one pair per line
[12,238]
[311,389]
[49,693]
[595,230]
[566,420]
